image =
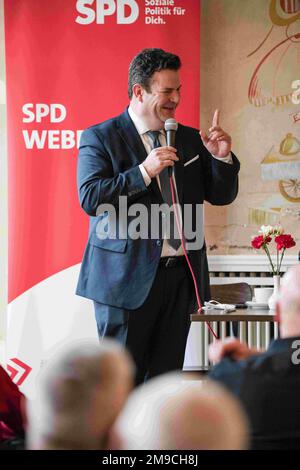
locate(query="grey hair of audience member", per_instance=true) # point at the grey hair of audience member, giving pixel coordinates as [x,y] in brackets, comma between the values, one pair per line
[168,413]
[80,391]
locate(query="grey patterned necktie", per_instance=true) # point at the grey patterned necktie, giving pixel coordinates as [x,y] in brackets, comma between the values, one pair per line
[166,194]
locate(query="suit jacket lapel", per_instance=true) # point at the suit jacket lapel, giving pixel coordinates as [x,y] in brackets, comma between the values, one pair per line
[130,135]
[179,167]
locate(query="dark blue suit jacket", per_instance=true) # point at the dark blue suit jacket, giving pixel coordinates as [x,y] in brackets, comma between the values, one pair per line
[268,387]
[117,271]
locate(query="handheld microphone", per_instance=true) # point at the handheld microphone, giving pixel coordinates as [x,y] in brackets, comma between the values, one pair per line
[171,127]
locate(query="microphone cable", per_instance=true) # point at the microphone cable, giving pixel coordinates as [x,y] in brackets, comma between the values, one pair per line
[182,239]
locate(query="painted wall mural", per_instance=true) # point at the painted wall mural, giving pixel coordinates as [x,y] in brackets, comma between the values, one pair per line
[251,70]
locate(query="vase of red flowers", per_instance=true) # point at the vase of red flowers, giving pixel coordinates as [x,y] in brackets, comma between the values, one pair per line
[283,241]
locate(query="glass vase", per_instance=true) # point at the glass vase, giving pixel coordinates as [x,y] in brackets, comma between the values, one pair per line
[274,297]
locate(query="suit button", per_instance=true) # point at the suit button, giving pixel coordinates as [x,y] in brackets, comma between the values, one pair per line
[158,243]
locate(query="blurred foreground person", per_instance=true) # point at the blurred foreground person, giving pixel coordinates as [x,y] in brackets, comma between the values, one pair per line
[80,392]
[268,383]
[168,413]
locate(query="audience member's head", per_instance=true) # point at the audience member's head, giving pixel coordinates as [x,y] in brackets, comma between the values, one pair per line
[168,413]
[80,392]
[288,306]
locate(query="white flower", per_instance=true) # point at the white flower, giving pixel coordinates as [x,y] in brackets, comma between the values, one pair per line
[266,230]
[278,230]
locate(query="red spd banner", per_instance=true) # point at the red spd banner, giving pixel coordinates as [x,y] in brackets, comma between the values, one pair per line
[66,66]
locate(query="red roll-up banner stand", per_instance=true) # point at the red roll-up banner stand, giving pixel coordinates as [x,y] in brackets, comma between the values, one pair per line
[66,69]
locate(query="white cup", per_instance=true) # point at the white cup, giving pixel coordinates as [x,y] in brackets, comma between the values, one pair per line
[262,294]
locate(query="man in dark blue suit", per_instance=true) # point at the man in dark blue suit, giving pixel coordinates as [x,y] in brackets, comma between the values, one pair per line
[136,273]
[267,382]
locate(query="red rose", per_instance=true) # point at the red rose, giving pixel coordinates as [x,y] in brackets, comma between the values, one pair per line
[284,241]
[259,241]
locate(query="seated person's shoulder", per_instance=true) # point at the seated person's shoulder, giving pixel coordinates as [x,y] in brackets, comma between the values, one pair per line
[227,366]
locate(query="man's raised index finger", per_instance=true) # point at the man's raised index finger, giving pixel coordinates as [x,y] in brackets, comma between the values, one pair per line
[215,121]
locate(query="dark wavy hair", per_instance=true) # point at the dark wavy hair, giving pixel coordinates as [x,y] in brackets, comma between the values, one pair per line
[146,63]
